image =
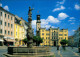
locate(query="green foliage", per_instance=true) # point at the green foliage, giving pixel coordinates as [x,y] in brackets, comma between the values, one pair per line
[64,42]
[38,40]
[25,40]
[16,39]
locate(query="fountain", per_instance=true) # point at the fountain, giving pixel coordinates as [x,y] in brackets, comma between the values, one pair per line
[30,50]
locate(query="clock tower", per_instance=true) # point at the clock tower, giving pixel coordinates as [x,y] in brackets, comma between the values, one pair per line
[38,25]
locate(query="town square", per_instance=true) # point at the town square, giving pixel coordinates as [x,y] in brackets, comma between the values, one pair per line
[39,28]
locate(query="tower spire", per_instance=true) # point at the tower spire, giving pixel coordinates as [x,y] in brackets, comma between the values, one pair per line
[38,25]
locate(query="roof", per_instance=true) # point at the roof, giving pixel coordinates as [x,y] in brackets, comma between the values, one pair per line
[6,11]
[64,29]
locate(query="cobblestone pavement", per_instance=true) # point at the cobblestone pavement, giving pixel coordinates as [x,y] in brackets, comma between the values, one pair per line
[69,52]
[3,50]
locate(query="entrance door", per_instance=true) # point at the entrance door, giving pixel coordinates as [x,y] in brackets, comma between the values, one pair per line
[54,43]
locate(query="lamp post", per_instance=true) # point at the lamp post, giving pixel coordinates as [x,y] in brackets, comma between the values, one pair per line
[79,46]
[79,40]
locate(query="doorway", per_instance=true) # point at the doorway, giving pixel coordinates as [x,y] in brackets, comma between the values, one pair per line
[54,43]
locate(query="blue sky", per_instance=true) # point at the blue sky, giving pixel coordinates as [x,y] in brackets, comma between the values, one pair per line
[54,13]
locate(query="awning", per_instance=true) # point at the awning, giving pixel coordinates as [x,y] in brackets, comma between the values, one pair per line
[1,35]
[1,40]
[5,37]
[10,40]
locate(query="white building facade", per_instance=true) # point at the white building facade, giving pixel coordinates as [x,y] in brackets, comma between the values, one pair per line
[76,37]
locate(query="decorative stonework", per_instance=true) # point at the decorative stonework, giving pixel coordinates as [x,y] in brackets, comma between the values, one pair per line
[30,33]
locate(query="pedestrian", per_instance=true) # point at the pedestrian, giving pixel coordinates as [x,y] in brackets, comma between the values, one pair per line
[8,44]
[57,47]
[72,47]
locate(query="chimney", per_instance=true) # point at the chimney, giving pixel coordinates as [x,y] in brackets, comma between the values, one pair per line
[21,18]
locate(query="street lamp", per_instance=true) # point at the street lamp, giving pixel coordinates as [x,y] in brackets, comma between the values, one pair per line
[79,46]
[79,40]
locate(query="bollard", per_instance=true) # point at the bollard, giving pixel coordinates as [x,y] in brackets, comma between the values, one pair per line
[58,47]
[79,49]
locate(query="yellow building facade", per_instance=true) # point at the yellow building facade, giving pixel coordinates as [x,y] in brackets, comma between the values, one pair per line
[52,36]
[19,31]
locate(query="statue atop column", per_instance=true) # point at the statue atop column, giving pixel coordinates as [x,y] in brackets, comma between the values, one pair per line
[30,31]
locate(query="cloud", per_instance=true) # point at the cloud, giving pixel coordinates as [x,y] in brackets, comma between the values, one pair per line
[62,2]
[62,16]
[57,9]
[54,27]
[73,30]
[6,8]
[72,23]
[34,24]
[45,22]
[77,7]
[0,4]
[72,17]
[69,20]
[47,26]
[51,19]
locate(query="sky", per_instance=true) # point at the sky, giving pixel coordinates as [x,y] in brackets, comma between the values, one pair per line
[64,14]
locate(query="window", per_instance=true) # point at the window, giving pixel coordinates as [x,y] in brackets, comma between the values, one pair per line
[54,37]
[1,13]
[5,23]
[8,24]
[38,27]
[11,25]
[65,34]
[8,16]
[5,31]
[16,33]
[42,33]
[65,37]
[61,38]
[0,22]
[60,35]
[11,33]
[46,37]
[54,34]
[47,33]
[0,30]
[11,18]
[42,30]
[8,32]
[16,26]
[5,15]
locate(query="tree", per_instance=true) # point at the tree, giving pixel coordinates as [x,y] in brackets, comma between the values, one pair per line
[16,39]
[38,40]
[63,43]
[25,40]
